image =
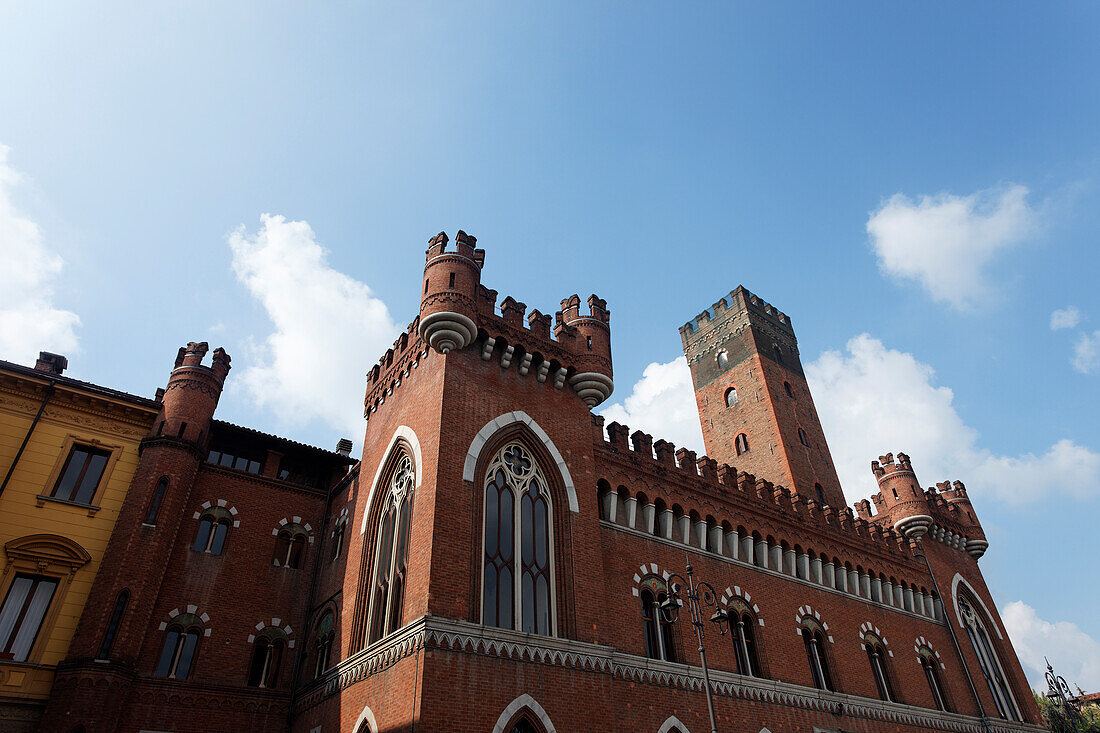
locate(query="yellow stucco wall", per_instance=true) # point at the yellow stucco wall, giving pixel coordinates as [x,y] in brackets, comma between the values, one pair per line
[72,414]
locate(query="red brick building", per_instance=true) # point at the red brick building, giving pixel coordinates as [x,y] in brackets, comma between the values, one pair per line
[496,560]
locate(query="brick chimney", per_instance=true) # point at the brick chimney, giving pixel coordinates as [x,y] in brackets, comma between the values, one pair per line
[51,363]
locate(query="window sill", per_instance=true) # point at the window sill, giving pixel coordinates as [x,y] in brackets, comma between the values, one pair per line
[41,500]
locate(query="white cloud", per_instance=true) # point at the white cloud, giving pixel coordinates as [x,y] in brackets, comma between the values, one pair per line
[873,400]
[1071,651]
[946,243]
[662,403]
[329,328]
[1086,353]
[1067,317]
[28,321]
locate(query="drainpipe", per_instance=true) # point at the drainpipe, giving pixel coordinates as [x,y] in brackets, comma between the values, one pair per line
[954,639]
[27,437]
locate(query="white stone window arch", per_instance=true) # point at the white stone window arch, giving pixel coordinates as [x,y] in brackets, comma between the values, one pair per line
[976,620]
[391,549]
[405,434]
[673,725]
[366,722]
[517,570]
[742,611]
[528,703]
[180,648]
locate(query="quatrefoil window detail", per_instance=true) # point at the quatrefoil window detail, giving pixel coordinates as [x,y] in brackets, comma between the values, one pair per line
[517,460]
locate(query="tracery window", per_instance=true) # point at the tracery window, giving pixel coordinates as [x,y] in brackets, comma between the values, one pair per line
[741,443]
[517,567]
[323,644]
[658,631]
[267,653]
[181,644]
[813,636]
[290,545]
[391,552]
[987,658]
[931,673]
[743,634]
[876,655]
[213,529]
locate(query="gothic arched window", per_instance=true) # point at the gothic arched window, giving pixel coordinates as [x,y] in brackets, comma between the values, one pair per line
[931,673]
[876,655]
[814,638]
[323,644]
[391,555]
[658,631]
[517,590]
[987,658]
[743,633]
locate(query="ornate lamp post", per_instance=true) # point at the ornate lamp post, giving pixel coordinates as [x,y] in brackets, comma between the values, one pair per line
[1058,692]
[699,596]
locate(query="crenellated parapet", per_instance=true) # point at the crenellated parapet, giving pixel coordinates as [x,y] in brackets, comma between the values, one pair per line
[192,392]
[395,368]
[900,497]
[730,315]
[448,308]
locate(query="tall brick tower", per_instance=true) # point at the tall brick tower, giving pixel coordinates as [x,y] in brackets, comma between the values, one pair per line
[754,404]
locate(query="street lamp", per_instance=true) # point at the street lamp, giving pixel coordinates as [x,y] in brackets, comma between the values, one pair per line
[1058,692]
[699,596]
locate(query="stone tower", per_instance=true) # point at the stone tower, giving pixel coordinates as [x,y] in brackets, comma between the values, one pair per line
[754,404]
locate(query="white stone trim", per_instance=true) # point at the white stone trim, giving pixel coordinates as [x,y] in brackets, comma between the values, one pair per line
[672,722]
[407,433]
[736,591]
[524,701]
[222,503]
[644,570]
[294,520]
[974,594]
[367,716]
[510,418]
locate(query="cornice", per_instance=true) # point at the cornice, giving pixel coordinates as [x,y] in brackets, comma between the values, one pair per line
[465,638]
[21,391]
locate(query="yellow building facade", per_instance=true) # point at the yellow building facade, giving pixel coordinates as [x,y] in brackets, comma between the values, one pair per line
[68,451]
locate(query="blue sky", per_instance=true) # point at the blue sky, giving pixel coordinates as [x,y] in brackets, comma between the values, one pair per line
[915,186]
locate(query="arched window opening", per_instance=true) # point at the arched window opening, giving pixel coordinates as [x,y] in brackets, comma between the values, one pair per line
[517,590]
[759,559]
[989,661]
[788,390]
[112,625]
[813,636]
[181,644]
[659,508]
[338,537]
[778,353]
[524,725]
[658,631]
[290,546]
[802,437]
[154,504]
[322,644]
[723,359]
[731,396]
[213,529]
[931,673]
[876,655]
[391,555]
[819,490]
[267,653]
[741,443]
[743,633]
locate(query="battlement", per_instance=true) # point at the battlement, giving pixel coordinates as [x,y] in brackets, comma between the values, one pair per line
[739,303]
[465,246]
[885,465]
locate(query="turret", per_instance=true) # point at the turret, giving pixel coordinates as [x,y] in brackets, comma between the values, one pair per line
[902,499]
[955,495]
[589,339]
[193,391]
[448,306]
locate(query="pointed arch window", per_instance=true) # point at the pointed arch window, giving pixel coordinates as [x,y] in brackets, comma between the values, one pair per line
[658,630]
[326,633]
[876,655]
[743,633]
[987,658]
[517,582]
[391,552]
[813,636]
[741,443]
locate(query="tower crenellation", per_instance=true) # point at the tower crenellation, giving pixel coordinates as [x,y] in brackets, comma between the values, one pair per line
[193,391]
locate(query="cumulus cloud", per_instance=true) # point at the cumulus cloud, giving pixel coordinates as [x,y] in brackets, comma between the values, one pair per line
[1075,654]
[946,243]
[874,400]
[1086,353]
[662,403]
[328,327]
[1065,318]
[29,322]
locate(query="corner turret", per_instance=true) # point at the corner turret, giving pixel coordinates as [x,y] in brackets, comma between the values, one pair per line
[448,308]
[193,391]
[955,495]
[589,339]
[902,499]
